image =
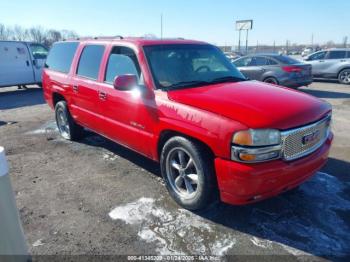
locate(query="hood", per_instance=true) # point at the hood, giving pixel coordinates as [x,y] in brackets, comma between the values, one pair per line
[255,104]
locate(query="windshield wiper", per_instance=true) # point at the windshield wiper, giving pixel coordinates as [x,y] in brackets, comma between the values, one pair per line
[186,84]
[227,79]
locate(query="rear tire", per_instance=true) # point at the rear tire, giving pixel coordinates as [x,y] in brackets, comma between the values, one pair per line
[271,80]
[188,172]
[344,77]
[66,126]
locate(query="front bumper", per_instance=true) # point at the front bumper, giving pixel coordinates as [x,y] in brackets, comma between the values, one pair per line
[241,183]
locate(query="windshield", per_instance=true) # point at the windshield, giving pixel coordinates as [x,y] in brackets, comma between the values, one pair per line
[38,51]
[189,65]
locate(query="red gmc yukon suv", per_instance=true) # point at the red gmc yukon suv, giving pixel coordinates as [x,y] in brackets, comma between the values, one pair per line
[183,104]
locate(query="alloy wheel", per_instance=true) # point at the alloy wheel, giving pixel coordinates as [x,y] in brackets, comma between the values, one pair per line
[62,123]
[344,77]
[182,172]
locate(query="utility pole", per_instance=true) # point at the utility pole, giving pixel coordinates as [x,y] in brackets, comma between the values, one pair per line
[239,41]
[274,46]
[161,26]
[257,46]
[246,43]
[312,40]
[345,41]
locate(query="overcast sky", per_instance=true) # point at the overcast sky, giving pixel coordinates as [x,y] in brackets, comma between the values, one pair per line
[208,20]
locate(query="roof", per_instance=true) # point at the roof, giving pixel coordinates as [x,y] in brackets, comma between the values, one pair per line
[336,49]
[266,54]
[143,41]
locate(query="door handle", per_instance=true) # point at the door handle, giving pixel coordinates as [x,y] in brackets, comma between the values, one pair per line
[321,61]
[75,89]
[102,95]
[343,60]
[27,62]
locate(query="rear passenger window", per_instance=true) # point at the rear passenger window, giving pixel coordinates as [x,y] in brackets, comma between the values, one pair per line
[271,62]
[90,61]
[61,56]
[122,61]
[336,55]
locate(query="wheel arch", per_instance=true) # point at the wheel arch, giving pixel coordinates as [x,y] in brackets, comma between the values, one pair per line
[342,69]
[165,135]
[57,97]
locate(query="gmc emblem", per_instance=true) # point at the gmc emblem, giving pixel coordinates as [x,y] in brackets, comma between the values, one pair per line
[310,138]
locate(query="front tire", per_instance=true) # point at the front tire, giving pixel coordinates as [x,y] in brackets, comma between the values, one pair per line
[344,77]
[66,126]
[188,172]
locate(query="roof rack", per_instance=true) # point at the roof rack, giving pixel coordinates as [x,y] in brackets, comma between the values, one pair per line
[96,38]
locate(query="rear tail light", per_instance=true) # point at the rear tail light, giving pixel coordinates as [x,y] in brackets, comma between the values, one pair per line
[292,69]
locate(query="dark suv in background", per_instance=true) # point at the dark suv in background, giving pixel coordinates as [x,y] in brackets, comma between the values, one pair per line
[331,64]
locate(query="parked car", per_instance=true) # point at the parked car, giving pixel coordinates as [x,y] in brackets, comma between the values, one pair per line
[233,55]
[184,105]
[331,64]
[275,69]
[307,51]
[21,63]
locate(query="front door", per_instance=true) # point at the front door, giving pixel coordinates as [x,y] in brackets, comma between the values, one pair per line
[248,68]
[318,63]
[126,113]
[39,54]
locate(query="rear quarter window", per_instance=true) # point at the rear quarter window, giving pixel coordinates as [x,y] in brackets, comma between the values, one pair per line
[286,60]
[61,56]
[336,55]
[90,60]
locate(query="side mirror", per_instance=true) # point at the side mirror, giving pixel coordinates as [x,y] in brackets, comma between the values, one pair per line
[125,82]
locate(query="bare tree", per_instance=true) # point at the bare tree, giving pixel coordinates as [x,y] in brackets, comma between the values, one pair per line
[3,32]
[37,34]
[68,34]
[18,33]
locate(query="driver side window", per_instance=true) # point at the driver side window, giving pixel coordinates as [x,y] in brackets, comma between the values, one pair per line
[318,56]
[243,62]
[38,51]
[122,61]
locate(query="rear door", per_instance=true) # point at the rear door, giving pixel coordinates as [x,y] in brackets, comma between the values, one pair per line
[335,59]
[15,64]
[85,97]
[38,55]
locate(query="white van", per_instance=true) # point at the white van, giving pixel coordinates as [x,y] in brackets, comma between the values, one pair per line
[21,63]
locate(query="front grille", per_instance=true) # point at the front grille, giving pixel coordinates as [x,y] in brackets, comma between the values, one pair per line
[302,141]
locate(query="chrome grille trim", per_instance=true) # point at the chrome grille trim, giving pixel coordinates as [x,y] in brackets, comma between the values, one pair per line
[292,146]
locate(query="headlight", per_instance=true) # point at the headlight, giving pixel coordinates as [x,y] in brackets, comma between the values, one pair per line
[256,145]
[258,137]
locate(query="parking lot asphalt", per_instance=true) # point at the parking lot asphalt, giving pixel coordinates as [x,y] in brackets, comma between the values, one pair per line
[96,197]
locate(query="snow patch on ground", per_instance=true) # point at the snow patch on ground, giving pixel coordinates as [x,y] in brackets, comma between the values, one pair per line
[173,233]
[48,128]
[109,156]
